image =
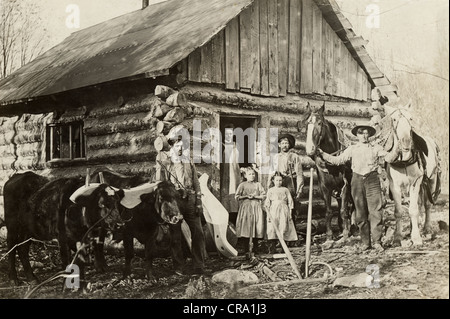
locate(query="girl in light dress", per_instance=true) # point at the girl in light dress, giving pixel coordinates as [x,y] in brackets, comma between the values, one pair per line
[278,205]
[250,220]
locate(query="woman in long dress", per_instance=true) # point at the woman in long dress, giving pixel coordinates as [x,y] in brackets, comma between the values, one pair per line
[279,205]
[231,175]
[250,220]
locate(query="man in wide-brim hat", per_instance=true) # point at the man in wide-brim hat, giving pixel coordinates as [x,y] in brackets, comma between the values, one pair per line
[183,175]
[366,188]
[289,138]
[360,128]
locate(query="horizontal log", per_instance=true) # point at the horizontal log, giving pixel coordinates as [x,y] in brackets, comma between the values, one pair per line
[165,108]
[176,115]
[177,99]
[163,127]
[163,91]
[289,104]
[128,126]
[161,143]
[146,103]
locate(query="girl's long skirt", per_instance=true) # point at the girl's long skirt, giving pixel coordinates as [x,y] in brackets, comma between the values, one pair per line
[250,219]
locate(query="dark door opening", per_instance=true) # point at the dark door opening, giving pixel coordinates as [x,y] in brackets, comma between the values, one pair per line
[243,123]
[230,176]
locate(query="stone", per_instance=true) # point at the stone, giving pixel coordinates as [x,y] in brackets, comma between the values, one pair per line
[362,280]
[232,276]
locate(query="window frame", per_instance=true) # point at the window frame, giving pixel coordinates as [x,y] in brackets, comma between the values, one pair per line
[50,132]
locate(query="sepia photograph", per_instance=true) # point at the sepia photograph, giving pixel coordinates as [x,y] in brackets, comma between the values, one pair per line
[227,155]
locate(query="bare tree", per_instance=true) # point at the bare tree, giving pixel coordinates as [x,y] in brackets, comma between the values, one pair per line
[22,34]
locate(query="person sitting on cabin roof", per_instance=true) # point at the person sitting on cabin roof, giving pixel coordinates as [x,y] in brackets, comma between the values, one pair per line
[183,175]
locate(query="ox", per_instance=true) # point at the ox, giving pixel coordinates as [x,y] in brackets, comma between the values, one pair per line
[144,208]
[41,209]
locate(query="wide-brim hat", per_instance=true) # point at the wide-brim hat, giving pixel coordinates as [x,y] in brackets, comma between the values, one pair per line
[369,128]
[289,137]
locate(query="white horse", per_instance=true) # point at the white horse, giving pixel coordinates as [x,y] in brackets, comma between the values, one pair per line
[416,172]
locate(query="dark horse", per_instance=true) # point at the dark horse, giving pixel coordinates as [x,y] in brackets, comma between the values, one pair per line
[333,180]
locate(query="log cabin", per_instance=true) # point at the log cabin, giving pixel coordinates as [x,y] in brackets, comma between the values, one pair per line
[104,95]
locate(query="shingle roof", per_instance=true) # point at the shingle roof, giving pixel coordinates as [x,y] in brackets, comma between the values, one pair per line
[145,42]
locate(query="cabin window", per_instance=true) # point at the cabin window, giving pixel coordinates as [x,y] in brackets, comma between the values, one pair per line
[65,141]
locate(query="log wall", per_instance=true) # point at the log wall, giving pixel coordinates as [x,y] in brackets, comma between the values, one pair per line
[120,134]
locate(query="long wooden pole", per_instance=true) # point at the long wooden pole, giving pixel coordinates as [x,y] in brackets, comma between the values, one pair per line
[308,225]
[286,249]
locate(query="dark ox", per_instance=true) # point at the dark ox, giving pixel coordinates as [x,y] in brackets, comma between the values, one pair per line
[157,208]
[41,209]
[142,222]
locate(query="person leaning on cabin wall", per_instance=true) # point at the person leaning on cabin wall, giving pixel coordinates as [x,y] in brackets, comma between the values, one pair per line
[183,174]
[366,188]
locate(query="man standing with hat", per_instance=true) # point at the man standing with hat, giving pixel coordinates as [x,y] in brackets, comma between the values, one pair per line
[290,166]
[365,185]
[183,174]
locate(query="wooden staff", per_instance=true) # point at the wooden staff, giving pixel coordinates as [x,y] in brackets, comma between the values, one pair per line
[308,225]
[285,247]
[250,240]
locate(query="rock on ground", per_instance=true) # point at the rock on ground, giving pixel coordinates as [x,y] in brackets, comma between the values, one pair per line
[231,276]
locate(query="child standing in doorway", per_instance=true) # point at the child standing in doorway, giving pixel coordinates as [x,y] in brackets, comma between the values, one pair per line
[250,223]
[279,204]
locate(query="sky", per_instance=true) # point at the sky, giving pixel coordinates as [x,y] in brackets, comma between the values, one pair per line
[411,33]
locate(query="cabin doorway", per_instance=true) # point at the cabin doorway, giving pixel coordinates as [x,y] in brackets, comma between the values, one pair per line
[230,176]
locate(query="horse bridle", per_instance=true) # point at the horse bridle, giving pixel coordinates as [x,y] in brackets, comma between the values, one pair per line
[311,122]
[395,128]
[320,134]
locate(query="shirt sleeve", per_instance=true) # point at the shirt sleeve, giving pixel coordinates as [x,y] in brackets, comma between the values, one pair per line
[389,157]
[299,171]
[290,200]
[341,159]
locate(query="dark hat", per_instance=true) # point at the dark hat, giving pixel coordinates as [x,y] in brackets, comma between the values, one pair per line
[289,137]
[369,128]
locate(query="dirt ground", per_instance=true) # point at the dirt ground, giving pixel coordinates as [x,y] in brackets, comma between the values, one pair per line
[404,272]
